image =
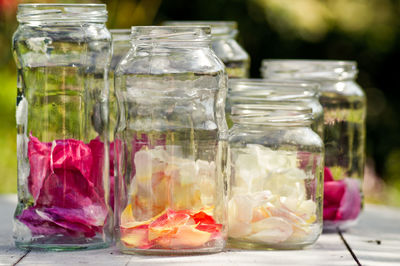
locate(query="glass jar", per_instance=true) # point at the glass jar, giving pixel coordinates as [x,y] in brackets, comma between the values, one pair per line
[247,91]
[344,105]
[275,195]
[171,143]
[225,46]
[62,53]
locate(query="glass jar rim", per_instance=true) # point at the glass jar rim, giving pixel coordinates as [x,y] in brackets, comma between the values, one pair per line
[219,29]
[180,34]
[309,69]
[50,13]
[265,87]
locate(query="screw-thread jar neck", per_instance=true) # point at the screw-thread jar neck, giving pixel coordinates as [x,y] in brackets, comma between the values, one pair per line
[273,90]
[61,13]
[318,70]
[177,36]
[271,114]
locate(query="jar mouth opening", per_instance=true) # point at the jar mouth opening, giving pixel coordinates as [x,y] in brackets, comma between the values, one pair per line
[309,69]
[219,29]
[265,88]
[52,13]
[181,34]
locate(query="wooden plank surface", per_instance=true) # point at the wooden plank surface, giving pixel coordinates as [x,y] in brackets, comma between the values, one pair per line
[329,249]
[8,253]
[376,239]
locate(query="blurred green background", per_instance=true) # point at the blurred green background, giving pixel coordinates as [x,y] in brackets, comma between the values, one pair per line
[367,31]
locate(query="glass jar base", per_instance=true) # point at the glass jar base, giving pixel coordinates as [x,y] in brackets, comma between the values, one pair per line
[239,244]
[334,226]
[172,252]
[60,247]
[52,247]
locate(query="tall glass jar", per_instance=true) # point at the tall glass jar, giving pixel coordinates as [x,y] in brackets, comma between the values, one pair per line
[171,143]
[62,53]
[275,195]
[225,46]
[344,105]
[243,91]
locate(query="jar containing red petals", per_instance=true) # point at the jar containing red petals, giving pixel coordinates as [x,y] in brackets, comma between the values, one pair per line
[170,143]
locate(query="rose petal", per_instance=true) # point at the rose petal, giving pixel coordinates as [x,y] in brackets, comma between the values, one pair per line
[350,205]
[136,237]
[328,174]
[39,158]
[72,154]
[333,194]
[39,226]
[185,237]
[66,187]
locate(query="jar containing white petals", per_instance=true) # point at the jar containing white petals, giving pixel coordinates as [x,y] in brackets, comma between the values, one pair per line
[275,193]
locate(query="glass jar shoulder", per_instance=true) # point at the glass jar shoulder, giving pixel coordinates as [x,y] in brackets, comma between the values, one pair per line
[285,137]
[165,60]
[347,88]
[63,32]
[59,44]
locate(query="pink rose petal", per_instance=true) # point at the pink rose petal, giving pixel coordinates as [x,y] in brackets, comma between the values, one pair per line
[66,183]
[350,205]
[342,198]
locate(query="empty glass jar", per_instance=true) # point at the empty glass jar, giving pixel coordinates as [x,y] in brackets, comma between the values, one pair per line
[62,53]
[171,143]
[225,46]
[275,195]
[344,105]
[247,91]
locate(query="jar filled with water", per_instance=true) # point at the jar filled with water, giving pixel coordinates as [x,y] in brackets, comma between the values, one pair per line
[170,143]
[62,53]
[275,193]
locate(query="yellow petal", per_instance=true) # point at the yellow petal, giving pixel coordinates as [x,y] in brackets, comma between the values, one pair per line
[186,237]
[135,237]
[127,215]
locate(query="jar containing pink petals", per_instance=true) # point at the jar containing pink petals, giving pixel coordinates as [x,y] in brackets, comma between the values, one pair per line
[62,53]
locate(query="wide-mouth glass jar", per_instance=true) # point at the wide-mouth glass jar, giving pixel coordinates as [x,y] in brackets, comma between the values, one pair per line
[171,143]
[275,193]
[344,105]
[247,91]
[62,53]
[225,46]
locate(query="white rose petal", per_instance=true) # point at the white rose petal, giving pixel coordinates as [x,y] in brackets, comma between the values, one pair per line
[271,230]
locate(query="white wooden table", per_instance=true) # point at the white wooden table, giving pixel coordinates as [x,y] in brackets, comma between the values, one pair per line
[375,241]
